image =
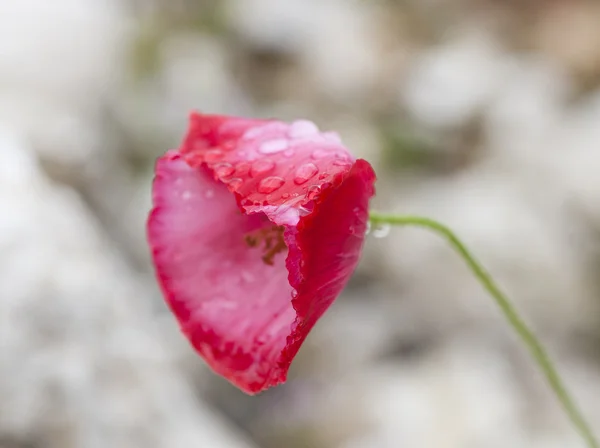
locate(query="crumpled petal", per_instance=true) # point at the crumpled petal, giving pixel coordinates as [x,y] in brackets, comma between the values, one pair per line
[256,228]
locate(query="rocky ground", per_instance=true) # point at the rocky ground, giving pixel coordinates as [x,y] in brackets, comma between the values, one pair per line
[483,114]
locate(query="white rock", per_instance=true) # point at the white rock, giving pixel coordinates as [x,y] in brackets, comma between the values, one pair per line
[60,62]
[334,39]
[448,85]
[575,159]
[57,57]
[82,362]
[343,52]
[273,24]
[466,394]
[59,49]
[194,75]
[525,113]
[520,238]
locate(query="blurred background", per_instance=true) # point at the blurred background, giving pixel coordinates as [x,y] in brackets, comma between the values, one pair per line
[484,114]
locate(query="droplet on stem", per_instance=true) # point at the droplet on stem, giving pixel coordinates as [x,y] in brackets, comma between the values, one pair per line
[381,230]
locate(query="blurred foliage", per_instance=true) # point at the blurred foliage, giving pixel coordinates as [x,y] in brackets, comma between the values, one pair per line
[206,17]
[404,149]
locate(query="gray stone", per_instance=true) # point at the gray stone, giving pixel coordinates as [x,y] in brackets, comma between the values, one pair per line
[82,361]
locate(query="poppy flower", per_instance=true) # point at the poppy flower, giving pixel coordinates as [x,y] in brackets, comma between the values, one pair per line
[256,227]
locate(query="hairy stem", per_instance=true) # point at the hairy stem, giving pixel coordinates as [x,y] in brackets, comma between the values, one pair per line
[518,324]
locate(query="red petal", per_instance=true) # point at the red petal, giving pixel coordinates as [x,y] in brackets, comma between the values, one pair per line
[233,176]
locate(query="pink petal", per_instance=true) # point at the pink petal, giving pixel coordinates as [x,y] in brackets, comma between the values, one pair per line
[231,178]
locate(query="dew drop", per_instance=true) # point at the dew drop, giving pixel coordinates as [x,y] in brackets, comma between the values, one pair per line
[261,167]
[212,155]
[322,176]
[273,146]
[254,132]
[313,191]
[303,211]
[270,184]
[294,293]
[242,169]
[342,162]
[288,152]
[381,231]
[285,196]
[224,169]
[320,153]
[186,195]
[305,172]
[302,128]
[234,183]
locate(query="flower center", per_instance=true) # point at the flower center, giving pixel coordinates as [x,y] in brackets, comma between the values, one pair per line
[272,237]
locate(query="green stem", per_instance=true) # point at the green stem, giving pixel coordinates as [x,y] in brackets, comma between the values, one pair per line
[529,339]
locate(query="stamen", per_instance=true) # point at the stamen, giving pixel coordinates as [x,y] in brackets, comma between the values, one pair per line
[251,240]
[274,242]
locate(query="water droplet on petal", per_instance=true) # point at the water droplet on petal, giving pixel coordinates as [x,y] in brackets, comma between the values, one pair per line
[208,194]
[273,146]
[242,169]
[303,211]
[186,195]
[294,293]
[253,133]
[270,184]
[302,128]
[212,155]
[262,167]
[224,169]
[285,195]
[288,152]
[234,183]
[381,231]
[320,153]
[342,162]
[305,172]
[322,176]
[313,191]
